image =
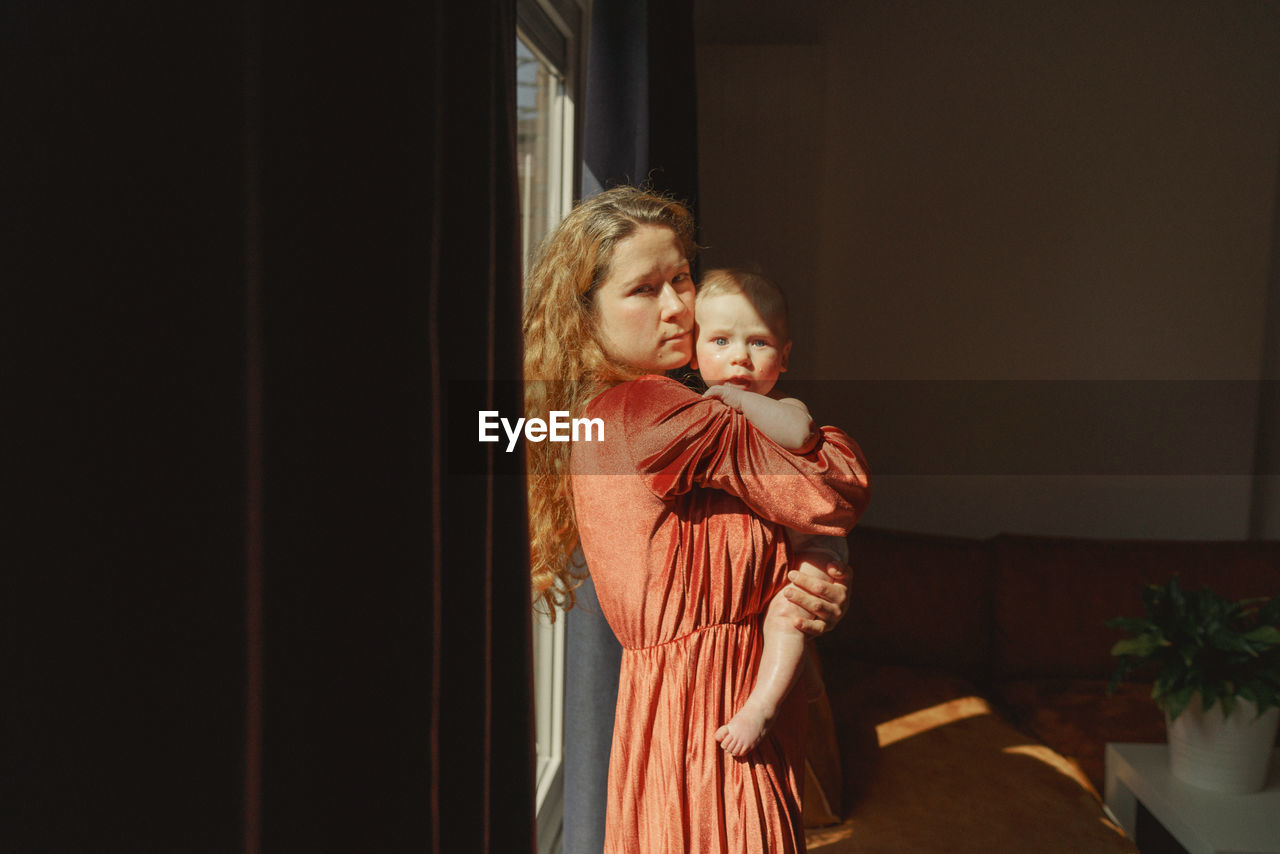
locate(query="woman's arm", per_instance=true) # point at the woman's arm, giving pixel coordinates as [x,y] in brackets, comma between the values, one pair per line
[786,421]
[676,440]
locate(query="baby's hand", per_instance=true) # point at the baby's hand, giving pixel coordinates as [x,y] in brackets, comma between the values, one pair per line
[730,394]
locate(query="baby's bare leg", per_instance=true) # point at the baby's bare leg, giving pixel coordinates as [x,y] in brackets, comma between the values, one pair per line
[780,662]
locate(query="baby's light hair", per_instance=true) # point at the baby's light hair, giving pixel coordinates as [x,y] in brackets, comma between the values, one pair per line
[759,290]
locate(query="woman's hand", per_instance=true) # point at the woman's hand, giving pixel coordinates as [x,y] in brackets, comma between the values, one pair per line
[818,598]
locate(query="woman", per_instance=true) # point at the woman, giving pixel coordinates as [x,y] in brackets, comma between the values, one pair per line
[680,510]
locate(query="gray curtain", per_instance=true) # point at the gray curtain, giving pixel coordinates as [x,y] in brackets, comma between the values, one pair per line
[641,126]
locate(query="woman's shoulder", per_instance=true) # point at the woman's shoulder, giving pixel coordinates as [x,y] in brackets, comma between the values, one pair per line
[648,390]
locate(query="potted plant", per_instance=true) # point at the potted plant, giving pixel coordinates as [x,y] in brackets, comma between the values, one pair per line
[1216,670]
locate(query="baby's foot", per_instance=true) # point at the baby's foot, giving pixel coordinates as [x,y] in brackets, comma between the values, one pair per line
[743,731]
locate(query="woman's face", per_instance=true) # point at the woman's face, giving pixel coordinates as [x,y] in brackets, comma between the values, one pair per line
[644,307]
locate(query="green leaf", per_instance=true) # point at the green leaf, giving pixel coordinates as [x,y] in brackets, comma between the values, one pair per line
[1269,615]
[1134,625]
[1175,702]
[1230,641]
[1176,597]
[1209,695]
[1227,612]
[1266,697]
[1169,678]
[1264,636]
[1141,646]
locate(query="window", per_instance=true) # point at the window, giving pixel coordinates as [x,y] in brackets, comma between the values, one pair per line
[541,110]
[549,51]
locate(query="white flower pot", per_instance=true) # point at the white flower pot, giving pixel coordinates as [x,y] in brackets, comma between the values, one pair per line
[1230,755]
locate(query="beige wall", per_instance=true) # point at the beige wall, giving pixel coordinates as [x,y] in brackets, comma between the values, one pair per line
[1011,191]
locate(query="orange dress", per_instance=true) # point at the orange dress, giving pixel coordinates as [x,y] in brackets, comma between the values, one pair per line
[681,510]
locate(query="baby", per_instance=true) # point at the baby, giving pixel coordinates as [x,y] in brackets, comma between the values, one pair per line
[742,346]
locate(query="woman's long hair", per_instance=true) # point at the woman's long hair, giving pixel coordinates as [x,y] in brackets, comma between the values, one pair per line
[564,364]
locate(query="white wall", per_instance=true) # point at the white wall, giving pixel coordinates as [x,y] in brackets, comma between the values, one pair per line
[1052,195]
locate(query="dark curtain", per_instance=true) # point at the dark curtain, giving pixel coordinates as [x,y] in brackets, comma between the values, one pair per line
[122,257]
[641,113]
[641,127]
[260,596]
[397,679]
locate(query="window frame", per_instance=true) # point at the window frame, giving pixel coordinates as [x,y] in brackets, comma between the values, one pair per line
[555,31]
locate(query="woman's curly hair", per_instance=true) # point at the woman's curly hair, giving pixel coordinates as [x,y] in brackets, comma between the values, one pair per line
[564,363]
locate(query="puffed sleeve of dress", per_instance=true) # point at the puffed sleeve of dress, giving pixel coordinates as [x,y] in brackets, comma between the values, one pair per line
[677,439]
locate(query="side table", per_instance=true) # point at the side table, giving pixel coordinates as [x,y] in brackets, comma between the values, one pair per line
[1203,822]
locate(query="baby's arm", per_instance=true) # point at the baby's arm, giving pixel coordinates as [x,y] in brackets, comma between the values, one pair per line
[785,421]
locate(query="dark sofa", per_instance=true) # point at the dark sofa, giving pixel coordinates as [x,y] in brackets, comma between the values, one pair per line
[966,705]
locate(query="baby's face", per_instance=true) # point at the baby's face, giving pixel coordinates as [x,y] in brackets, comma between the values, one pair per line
[735,345]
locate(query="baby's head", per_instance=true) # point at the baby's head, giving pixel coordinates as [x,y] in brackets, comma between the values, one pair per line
[741,330]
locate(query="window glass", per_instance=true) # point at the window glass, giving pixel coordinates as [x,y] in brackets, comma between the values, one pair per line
[544,138]
[540,139]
